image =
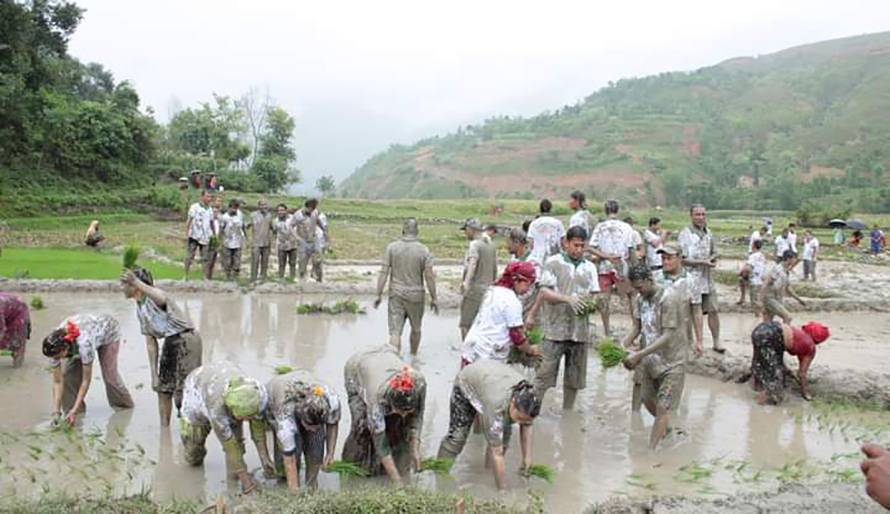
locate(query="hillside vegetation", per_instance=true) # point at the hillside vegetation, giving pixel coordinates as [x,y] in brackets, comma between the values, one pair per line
[749,133]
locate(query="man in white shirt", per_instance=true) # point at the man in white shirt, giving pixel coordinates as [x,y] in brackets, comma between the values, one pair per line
[757,235]
[782,244]
[810,251]
[232,233]
[751,275]
[199,231]
[654,240]
[699,258]
[613,243]
[792,236]
[546,233]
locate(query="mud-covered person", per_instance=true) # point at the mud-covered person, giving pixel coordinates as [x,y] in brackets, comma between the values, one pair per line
[15,327]
[261,241]
[161,319]
[305,223]
[232,232]
[80,341]
[305,414]
[568,284]
[408,266]
[751,275]
[612,242]
[776,286]
[546,232]
[480,271]
[501,397]
[645,320]
[770,342]
[213,247]
[663,362]
[286,241]
[518,248]
[387,400]
[699,259]
[653,239]
[219,398]
[199,230]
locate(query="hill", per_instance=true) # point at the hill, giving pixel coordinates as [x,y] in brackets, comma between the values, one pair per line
[752,132]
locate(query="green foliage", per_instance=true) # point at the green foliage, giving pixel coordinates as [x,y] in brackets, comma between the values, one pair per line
[37,303]
[325,184]
[611,354]
[131,255]
[64,263]
[817,214]
[340,307]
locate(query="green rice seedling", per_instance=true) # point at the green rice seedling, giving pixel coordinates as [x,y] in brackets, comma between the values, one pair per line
[283,370]
[346,468]
[437,466]
[214,243]
[131,255]
[641,481]
[694,473]
[535,336]
[611,354]
[304,308]
[37,303]
[589,307]
[541,471]
[5,353]
[346,306]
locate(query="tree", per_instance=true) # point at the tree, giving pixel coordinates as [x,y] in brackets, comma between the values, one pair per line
[274,165]
[254,106]
[325,184]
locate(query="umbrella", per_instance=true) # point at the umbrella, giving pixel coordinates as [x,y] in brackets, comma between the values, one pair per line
[856,224]
[837,223]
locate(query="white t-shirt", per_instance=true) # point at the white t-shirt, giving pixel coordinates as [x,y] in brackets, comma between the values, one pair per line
[782,244]
[792,240]
[653,258]
[809,249]
[755,236]
[200,229]
[489,337]
[547,233]
[320,239]
[580,219]
[612,237]
[757,261]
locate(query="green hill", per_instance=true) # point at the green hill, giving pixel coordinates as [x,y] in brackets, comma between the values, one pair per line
[766,132]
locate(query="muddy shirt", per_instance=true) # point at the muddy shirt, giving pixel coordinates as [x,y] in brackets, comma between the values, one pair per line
[782,245]
[682,286]
[583,218]
[200,229]
[757,261]
[368,374]
[647,312]
[675,313]
[489,337]
[262,229]
[488,385]
[572,279]
[653,258]
[305,224]
[160,322]
[287,394]
[698,244]
[231,229]
[779,282]
[547,233]
[407,260]
[202,397]
[613,237]
[484,252]
[810,248]
[95,332]
[286,236]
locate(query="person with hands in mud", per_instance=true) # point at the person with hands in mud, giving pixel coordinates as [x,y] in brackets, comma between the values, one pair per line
[80,340]
[161,319]
[770,341]
[500,396]
[387,401]
[304,413]
[645,320]
[876,468]
[219,398]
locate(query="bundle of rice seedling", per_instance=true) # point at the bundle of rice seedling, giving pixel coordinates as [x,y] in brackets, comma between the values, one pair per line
[5,353]
[131,254]
[350,306]
[541,471]
[589,307]
[535,336]
[283,370]
[214,243]
[306,308]
[346,468]
[437,466]
[37,303]
[611,354]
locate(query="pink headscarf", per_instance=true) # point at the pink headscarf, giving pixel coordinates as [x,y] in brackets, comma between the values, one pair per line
[514,270]
[817,331]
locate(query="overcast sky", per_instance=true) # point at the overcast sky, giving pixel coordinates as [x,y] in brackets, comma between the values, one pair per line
[360,75]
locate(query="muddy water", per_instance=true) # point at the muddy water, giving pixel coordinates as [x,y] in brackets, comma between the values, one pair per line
[726,443]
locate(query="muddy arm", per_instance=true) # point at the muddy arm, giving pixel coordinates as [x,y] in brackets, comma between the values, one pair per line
[430,277]
[525,441]
[500,467]
[634,333]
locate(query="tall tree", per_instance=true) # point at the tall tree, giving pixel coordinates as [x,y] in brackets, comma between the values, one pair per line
[254,106]
[325,184]
[274,167]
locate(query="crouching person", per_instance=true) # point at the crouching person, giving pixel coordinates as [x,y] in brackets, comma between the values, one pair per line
[386,400]
[304,413]
[15,327]
[219,397]
[501,396]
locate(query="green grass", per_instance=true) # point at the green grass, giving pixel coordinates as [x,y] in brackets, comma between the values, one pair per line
[57,263]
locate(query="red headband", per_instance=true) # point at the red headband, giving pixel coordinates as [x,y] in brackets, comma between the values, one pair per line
[516,269]
[404,381]
[71,331]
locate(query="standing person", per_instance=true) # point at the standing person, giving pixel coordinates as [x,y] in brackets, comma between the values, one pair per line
[500,396]
[305,222]
[699,257]
[751,276]
[304,413]
[810,255]
[80,340]
[261,245]
[546,233]
[646,321]
[792,236]
[637,238]
[480,271]
[757,235]
[654,240]
[199,229]
[15,327]
[776,285]
[408,265]
[93,238]
[768,223]
[322,243]
[770,341]
[783,244]
[386,400]
[213,247]
[877,240]
[499,326]
[232,234]
[160,318]
[517,247]
[613,243]
[287,242]
[219,398]
[839,237]
[567,282]
[581,217]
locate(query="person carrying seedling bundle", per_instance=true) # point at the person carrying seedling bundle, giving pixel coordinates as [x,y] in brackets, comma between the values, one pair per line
[499,328]
[218,398]
[386,400]
[567,282]
[501,396]
[771,340]
[15,327]
[645,319]
[161,319]
[80,340]
[304,414]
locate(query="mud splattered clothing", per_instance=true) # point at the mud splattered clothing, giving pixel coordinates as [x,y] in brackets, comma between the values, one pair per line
[774,296]
[484,388]
[768,363]
[261,223]
[486,270]
[699,244]
[231,231]
[613,237]
[583,218]
[200,229]
[664,371]
[407,261]
[287,245]
[15,325]
[489,337]
[547,234]
[182,348]
[305,225]
[377,431]
[647,312]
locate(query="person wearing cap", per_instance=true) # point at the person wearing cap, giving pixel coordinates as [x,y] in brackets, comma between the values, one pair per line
[699,258]
[501,397]
[499,326]
[386,401]
[645,320]
[776,285]
[218,398]
[80,340]
[480,271]
[567,283]
[15,327]
[161,319]
[612,242]
[770,341]
[304,413]
[546,233]
[408,266]
[261,243]
[199,229]
[581,217]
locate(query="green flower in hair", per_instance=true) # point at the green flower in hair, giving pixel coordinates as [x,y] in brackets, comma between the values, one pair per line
[242,397]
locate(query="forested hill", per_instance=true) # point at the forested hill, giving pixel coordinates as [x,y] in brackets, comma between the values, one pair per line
[765,132]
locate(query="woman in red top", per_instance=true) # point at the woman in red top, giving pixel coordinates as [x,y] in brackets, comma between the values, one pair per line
[771,341]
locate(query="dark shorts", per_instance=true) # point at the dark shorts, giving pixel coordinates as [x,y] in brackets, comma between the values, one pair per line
[180,355]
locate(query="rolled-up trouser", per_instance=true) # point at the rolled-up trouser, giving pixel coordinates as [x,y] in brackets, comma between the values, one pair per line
[575,355]
[180,355]
[115,389]
[400,310]
[231,261]
[194,437]
[664,390]
[287,259]
[469,308]
[259,261]
[310,445]
[462,415]
[768,360]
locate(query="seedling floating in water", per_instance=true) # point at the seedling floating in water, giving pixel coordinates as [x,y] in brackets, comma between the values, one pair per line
[346,468]
[342,307]
[131,255]
[611,354]
[437,466]
[541,471]
[37,303]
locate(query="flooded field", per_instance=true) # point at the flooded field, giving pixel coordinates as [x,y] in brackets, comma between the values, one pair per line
[725,444]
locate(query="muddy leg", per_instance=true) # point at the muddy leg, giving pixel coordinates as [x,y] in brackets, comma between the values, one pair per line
[115,389]
[605,306]
[165,408]
[660,427]
[637,398]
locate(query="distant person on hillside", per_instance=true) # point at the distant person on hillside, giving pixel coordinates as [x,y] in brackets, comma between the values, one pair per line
[776,285]
[15,327]
[546,232]
[93,239]
[199,230]
[654,241]
[810,255]
[261,244]
[613,243]
[699,258]
[581,216]
[877,240]
[196,179]
[232,235]
[480,271]
[286,238]
[855,239]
